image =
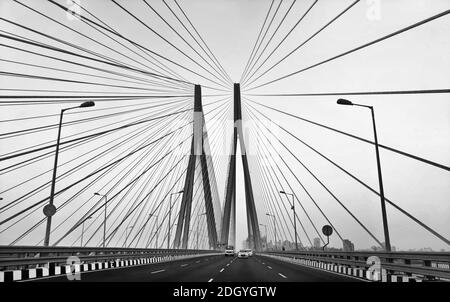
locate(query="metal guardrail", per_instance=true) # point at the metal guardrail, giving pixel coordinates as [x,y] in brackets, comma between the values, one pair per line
[432,265]
[24,257]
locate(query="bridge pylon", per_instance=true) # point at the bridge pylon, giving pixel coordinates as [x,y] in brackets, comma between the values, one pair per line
[200,151]
[229,209]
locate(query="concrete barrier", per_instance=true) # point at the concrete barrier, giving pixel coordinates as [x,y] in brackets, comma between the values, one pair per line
[356,272]
[39,272]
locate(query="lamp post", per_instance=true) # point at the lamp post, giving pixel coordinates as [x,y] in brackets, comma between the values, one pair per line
[265,228]
[274,228]
[50,210]
[126,234]
[170,212]
[104,221]
[157,230]
[387,241]
[295,221]
[198,223]
[82,229]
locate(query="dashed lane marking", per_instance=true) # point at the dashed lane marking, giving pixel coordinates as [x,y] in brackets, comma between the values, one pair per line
[160,271]
[222,270]
[282,275]
[183,265]
[269,267]
[210,280]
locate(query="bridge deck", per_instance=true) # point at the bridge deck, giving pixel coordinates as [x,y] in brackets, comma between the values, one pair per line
[213,269]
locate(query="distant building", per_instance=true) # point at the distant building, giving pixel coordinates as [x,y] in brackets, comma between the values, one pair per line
[393,248]
[264,243]
[348,246]
[245,244]
[316,243]
[287,245]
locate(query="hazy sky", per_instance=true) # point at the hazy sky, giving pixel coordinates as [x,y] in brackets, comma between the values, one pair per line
[418,124]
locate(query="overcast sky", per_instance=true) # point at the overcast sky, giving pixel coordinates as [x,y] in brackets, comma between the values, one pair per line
[417,124]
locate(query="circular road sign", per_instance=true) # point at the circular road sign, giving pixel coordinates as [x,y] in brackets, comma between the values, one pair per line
[327,230]
[49,210]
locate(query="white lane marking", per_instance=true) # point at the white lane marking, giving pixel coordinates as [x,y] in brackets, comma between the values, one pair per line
[282,275]
[197,261]
[210,280]
[183,265]
[263,263]
[160,271]
[228,264]
[269,267]
[222,270]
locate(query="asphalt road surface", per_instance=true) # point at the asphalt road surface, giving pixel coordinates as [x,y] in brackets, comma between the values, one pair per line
[212,269]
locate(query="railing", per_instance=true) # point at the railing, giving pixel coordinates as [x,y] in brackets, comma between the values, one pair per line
[24,257]
[426,265]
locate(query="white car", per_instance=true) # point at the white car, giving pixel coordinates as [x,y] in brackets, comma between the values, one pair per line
[250,253]
[243,254]
[229,252]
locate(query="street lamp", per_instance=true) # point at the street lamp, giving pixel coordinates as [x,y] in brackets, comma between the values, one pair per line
[104,221]
[295,222]
[274,228]
[50,210]
[126,235]
[170,212]
[82,229]
[198,223]
[380,179]
[157,230]
[265,227]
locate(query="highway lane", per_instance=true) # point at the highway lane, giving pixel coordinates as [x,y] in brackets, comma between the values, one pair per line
[213,269]
[185,270]
[265,269]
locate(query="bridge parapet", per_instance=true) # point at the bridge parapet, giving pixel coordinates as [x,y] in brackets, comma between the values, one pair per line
[375,266]
[26,257]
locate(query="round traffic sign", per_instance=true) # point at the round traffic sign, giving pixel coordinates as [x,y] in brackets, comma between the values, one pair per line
[327,230]
[49,210]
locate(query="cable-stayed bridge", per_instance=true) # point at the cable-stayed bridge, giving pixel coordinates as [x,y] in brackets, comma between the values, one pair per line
[129,152]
